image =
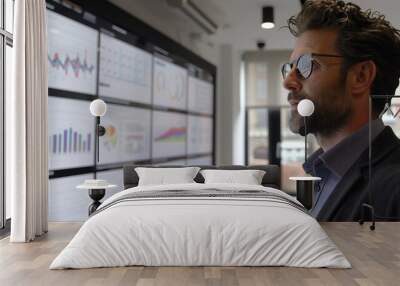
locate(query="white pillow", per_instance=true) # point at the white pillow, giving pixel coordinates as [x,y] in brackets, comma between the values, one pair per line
[163,176]
[248,177]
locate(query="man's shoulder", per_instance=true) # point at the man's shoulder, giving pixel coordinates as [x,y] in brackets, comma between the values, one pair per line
[385,163]
[384,183]
[385,149]
[385,187]
[385,171]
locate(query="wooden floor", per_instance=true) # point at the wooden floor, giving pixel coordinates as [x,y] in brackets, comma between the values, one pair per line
[375,257]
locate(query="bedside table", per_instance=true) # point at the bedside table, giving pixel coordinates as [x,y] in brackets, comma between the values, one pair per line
[305,190]
[96,190]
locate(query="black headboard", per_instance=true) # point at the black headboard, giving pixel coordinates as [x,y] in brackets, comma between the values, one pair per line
[272,177]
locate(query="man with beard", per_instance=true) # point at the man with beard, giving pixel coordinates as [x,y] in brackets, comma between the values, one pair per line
[343,55]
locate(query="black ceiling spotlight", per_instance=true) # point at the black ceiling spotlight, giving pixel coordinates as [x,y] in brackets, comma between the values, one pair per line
[267,17]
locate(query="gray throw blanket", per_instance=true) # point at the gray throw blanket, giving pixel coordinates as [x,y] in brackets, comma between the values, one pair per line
[198,194]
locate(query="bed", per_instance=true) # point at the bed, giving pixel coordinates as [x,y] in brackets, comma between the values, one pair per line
[198,224]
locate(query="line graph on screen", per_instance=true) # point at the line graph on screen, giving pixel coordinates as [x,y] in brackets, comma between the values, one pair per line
[174,134]
[74,63]
[72,54]
[169,134]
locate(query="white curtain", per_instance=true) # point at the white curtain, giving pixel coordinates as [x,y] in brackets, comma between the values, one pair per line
[26,123]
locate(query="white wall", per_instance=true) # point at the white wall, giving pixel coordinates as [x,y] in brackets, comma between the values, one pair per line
[230,112]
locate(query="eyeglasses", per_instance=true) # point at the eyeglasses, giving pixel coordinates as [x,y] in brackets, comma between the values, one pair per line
[304,65]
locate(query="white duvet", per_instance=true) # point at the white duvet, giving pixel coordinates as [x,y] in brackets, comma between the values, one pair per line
[200,231]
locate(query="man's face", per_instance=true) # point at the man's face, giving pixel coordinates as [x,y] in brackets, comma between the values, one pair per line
[325,87]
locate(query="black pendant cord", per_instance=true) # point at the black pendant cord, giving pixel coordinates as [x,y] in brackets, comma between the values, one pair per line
[97,138]
[305,139]
[370,204]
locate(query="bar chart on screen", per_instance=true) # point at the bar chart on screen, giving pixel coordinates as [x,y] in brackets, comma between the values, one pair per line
[71,134]
[70,141]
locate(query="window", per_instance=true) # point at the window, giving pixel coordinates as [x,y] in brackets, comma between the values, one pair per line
[269,139]
[6,43]
[9,16]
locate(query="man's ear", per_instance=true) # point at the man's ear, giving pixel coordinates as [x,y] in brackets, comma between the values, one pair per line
[361,77]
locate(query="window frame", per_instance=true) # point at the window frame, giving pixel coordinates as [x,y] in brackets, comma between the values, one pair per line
[6,39]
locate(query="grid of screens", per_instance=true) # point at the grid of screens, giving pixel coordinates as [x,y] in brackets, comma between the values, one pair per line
[159,106]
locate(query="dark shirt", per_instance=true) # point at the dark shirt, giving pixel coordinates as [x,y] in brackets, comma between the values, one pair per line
[333,164]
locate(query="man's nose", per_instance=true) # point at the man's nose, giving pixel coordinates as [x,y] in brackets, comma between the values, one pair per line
[292,82]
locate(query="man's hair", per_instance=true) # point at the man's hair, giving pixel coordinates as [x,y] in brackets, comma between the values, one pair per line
[362,35]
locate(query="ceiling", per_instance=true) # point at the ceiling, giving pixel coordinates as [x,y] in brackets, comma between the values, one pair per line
[239,20]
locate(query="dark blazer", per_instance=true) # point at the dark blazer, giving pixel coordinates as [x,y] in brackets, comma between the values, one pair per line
[345,201]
